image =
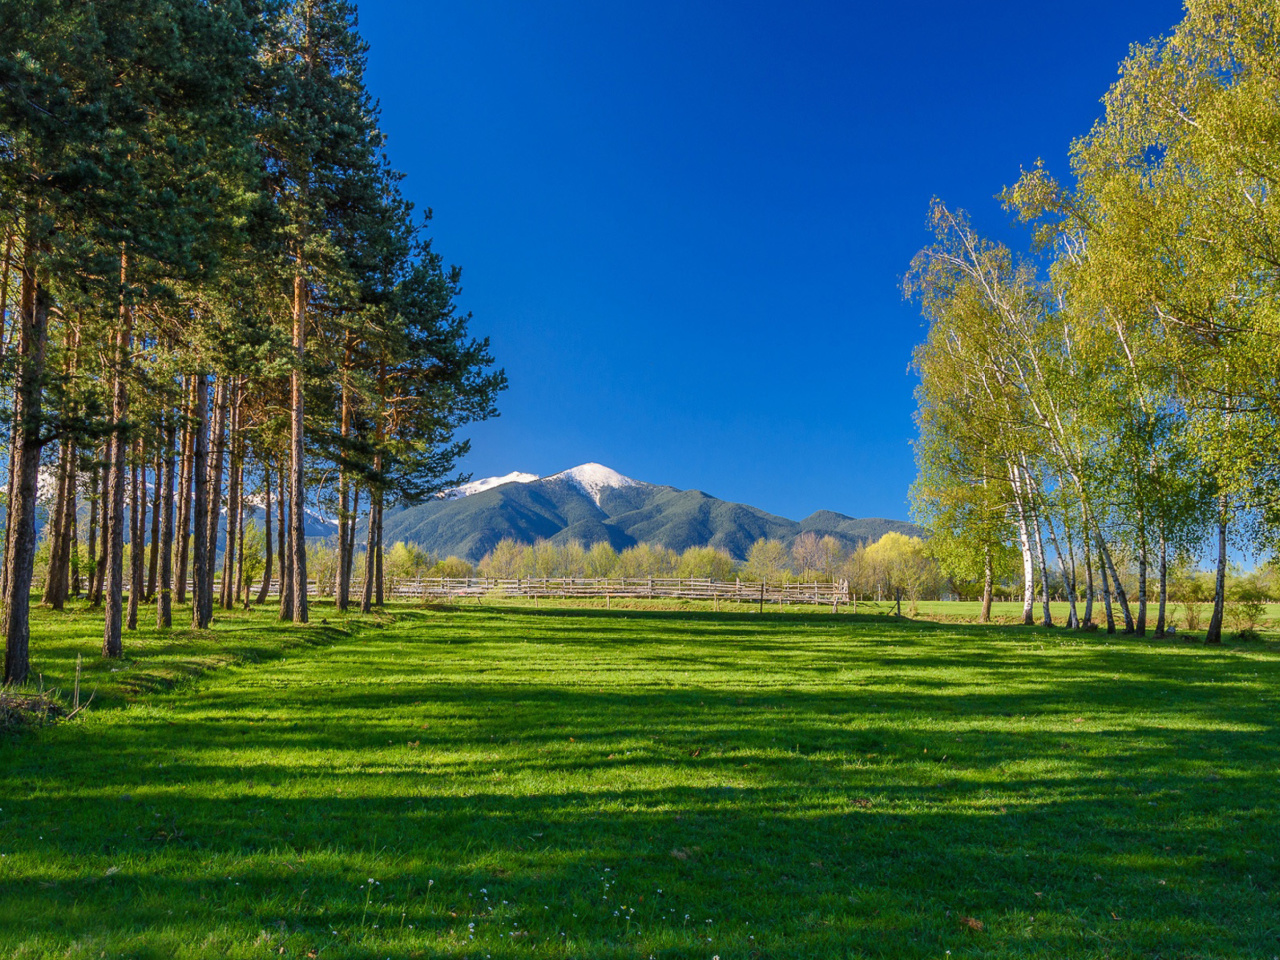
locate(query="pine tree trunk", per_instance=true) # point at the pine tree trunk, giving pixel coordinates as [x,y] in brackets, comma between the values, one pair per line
[92,539]
[297,492]
[137,530]
[33,319]
[227,594]
[351,537]
[243,586]
[377,575]
[342,590]
[153,559]
[117,480]
[282,541]
[54,594]
[266,540]
[201,598]
[104,538]
[183,534]
[1214,634]
[164,585]
[58,581]
[342,595]
[73,534]
[370,551]
[217,449]
[8,527]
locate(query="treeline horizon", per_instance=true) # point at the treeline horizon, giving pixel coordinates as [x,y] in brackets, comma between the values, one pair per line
[1113,390]
[212,287]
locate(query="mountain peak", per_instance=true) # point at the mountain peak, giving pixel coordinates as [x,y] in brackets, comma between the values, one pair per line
[594,479]
[488,483]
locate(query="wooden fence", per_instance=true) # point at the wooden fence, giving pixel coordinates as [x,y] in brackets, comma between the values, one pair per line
[647,588]
[622,588]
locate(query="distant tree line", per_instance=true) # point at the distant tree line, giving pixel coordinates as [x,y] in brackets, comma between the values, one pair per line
[212,293]
[1110,400]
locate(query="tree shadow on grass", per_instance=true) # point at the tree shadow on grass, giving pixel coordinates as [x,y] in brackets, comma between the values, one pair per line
[810,817]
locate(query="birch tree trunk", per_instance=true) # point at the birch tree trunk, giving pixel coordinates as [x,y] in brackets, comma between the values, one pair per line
[1106,585]
[1068,577]
[1088,580]
[988,584]
[1028,560]
[1214,634]
[1140,627]
[1161,626]
[1121,598]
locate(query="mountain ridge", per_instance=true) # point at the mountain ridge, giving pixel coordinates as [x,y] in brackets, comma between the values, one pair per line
[591,503]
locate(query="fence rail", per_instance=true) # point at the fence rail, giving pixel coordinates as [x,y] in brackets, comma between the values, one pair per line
[616,587]
[534,588]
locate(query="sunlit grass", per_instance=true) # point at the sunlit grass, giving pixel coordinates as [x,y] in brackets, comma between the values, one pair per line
[502,782]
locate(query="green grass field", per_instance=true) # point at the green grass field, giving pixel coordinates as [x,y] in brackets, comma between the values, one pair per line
[499,782]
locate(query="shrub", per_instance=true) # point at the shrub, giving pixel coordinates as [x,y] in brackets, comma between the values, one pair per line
[1246,606]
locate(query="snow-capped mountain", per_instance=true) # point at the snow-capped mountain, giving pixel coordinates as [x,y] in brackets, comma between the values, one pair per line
[591,503]
[591,478]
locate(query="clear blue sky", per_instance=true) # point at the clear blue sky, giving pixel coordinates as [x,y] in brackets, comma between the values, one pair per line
[683,224]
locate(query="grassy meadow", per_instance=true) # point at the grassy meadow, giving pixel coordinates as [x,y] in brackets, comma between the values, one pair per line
[498,781]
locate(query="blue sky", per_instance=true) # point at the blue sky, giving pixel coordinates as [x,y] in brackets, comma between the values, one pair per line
[684,224]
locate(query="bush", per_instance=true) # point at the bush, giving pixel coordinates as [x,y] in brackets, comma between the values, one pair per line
[1192,615]
[1248,635]
[1246,606]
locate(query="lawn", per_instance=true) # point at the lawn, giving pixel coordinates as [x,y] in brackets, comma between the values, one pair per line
[498,781]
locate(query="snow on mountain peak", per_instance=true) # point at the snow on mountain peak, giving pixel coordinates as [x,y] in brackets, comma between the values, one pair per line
[591,478]
[595,478]
[488,483]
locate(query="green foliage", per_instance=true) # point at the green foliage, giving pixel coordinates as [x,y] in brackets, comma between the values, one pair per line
[253,559]
[452,568]
[407,561]
[705,563]
[1246,605]
[768,561]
